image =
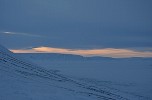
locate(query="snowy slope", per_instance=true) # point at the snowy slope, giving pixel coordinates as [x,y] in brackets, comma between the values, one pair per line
[128,74]
[132,70]
[23,80]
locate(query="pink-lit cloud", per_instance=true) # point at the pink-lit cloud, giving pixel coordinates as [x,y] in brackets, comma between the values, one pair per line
[106,52]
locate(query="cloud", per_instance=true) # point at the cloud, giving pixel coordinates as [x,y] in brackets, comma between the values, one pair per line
[18,33]
[106,52]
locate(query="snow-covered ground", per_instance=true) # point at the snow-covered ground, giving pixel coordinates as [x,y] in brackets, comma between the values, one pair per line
[69,77]
[132,75]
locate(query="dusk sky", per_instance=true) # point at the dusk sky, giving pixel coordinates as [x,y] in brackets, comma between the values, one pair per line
[111,28]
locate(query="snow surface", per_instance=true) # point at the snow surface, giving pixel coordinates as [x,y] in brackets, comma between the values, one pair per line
[72,77]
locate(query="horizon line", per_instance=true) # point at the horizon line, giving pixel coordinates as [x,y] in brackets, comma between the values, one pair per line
[105,52]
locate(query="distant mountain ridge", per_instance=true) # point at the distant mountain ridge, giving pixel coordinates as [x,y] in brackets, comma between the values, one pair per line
[58,56]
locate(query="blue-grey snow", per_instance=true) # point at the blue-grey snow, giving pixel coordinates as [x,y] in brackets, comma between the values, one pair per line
[70,77]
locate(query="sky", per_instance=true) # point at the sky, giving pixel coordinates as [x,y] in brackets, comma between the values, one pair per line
[113,28]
